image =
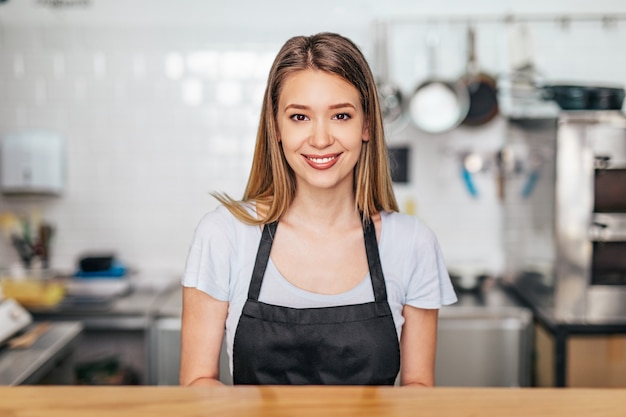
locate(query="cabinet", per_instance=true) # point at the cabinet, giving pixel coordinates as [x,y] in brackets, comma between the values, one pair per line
[119,330]
[592,360]
[485,339]
[479,346]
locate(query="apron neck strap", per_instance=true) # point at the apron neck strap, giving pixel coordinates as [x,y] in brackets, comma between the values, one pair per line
[373,260]
[371,249]
[262,256]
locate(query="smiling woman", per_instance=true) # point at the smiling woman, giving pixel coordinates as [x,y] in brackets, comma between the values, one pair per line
[346,286]
[326,132]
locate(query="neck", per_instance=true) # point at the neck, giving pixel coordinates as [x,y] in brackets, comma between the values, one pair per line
[323,210]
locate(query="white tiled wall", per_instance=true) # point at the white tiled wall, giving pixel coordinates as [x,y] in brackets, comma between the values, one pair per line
[158,115]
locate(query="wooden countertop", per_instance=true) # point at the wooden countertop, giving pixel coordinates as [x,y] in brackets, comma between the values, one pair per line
[138,401]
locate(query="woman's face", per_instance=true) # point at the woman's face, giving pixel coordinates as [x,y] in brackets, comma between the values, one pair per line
[321,126]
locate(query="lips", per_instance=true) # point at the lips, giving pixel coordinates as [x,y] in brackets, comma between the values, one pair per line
[322,161]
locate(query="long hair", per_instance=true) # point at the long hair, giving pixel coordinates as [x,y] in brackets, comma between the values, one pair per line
[272,181]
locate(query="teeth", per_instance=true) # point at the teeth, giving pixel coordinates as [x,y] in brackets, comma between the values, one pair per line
[322,160]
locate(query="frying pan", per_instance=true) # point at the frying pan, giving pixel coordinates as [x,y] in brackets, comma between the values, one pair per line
[438,105]
[481,87]
[389,94]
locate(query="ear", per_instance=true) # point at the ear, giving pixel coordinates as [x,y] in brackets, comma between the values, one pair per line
[366,133]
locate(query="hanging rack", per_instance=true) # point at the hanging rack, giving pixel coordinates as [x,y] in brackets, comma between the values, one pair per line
[604,18]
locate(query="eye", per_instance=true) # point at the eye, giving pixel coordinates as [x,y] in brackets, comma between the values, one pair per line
[342,116]
[298,117]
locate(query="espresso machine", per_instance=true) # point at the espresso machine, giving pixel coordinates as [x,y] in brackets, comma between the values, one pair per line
[564,229]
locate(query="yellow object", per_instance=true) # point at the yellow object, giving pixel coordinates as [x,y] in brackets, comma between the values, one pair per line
[10,224]
[409,207]
[33,292]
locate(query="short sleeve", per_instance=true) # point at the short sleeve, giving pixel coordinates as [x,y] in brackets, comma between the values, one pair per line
[210,257]
[429,284]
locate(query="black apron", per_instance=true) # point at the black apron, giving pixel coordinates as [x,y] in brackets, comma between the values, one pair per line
[343,345]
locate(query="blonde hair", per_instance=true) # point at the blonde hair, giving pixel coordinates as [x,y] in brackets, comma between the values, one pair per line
[272,182]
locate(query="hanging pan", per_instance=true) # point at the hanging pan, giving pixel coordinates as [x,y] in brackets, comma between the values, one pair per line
[389,94]
[438,105]
[481,87]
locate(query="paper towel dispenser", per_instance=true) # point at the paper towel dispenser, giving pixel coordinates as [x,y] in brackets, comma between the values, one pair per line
[32,162]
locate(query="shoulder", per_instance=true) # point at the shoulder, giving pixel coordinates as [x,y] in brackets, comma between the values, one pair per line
[406,226]
[220,244]
[220,223]
[414,262]
[218,217]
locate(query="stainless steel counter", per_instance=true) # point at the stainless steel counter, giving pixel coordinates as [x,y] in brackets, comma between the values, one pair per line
[484,340]
[119,328]
[49,359]
[128,312]
[170,304]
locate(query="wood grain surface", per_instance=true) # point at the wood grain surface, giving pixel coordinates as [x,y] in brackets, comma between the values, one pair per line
[138,401]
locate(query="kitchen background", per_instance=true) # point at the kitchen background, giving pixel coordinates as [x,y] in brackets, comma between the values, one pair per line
[158,103]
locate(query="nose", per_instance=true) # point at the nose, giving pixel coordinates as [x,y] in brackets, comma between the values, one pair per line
[321,136]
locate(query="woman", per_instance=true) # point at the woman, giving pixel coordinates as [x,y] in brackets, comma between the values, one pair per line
[315,276]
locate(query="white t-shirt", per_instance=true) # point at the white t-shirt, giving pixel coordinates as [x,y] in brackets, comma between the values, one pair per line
[223,251]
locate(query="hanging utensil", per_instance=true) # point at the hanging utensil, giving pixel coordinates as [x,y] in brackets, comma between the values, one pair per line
[535,166]
[500,170]
[483,97]
[438,105]
[471,163]
[389,94]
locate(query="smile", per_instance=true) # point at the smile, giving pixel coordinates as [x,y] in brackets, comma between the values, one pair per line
[322,161]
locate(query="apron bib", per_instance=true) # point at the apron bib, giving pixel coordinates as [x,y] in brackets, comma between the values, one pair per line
[342,345]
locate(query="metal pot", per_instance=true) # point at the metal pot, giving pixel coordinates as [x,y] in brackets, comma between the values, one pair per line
[469,277]
[438,105]
[468,283]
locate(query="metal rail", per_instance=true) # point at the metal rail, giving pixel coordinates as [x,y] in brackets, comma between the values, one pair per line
[607,19]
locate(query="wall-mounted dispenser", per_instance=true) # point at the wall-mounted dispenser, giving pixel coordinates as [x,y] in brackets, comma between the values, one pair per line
[32,162]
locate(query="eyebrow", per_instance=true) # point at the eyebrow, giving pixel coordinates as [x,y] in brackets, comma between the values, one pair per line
[332,107]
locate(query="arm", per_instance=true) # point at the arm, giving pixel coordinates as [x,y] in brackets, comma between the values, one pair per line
[203,323]
[418,346]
